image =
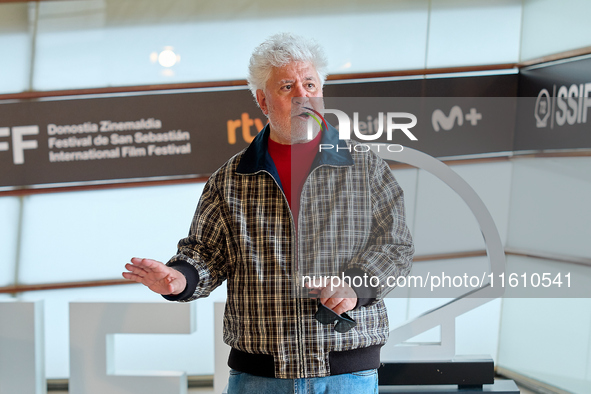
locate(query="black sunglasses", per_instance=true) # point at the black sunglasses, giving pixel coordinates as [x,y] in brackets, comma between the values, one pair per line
[326,315]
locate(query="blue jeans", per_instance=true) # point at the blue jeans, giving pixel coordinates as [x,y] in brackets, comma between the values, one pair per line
[362,382]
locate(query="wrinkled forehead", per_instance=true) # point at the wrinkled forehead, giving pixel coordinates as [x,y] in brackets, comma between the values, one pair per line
[294,71]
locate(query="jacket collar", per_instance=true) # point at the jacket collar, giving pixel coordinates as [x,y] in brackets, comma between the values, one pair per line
[257,158]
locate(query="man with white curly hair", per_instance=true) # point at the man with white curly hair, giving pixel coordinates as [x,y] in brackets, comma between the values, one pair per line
[279,74]
[278,210]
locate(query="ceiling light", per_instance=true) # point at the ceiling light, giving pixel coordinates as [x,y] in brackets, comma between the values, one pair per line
[166,58]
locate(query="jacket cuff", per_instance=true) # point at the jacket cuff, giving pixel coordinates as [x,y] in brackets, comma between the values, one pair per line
[365,293]
[191,275]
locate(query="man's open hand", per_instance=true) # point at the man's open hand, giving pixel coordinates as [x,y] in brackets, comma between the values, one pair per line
[158,277]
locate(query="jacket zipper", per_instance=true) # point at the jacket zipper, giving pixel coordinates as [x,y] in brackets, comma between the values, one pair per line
[295,259]
[297,300]
[300,197]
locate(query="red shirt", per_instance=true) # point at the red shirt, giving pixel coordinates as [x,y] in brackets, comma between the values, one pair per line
[293,163]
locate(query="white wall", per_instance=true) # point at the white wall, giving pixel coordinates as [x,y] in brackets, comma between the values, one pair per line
[469,32]
[549,339]
[553,26]
[99,43]
[15,43]
[90,235]
[85,49]
[442,223]
[550,206]
[9,209]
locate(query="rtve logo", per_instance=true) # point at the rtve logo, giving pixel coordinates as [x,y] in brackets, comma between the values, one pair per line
[19,144]
[245,124]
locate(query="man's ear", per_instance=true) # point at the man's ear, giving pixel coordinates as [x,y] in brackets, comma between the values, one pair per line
[262,101]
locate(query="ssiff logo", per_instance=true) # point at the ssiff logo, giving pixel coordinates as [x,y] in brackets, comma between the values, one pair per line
[565,105]
[542,111]
[344,127]
[19,144]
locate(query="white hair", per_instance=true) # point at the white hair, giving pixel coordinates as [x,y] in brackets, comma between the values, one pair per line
[279,50]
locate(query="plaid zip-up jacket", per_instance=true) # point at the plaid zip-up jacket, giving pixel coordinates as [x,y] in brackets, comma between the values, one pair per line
[351,221]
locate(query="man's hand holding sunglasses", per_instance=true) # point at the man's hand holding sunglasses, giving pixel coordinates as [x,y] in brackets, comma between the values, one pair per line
[339,299]
[333,304]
